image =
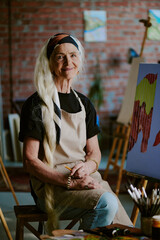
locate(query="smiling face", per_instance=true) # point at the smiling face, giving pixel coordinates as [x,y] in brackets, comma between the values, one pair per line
[65,62]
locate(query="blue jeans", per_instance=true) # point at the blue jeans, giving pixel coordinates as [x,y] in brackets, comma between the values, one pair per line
[102,215]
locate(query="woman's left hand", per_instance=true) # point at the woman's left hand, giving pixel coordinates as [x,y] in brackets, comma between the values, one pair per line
[80,170]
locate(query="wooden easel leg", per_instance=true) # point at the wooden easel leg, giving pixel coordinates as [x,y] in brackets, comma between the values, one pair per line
[111,154]
[122,136]
[8,180]
[135,210]
[120,141]
[3,176]
[5,225]
[123,160]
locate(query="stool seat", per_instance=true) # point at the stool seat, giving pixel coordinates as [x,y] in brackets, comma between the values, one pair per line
[31,212]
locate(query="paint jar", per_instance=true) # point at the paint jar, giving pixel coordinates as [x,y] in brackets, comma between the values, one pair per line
[146,226]
[156,227]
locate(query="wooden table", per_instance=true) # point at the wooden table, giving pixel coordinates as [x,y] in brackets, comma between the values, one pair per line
[134,232]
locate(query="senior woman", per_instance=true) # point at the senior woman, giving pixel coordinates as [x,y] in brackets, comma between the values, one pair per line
[61,151]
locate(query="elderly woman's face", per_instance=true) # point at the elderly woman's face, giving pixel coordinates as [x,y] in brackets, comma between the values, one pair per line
[65,61]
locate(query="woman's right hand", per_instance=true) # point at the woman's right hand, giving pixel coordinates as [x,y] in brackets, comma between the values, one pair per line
[86,182]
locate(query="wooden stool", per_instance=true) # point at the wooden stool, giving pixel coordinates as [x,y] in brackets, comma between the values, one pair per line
[31,213]
[26,214]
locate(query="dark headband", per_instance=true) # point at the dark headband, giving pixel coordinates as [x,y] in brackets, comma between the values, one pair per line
[59,39]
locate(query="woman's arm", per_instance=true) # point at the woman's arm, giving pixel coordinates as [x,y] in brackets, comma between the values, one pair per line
[93,151]
[93,158]
[36,167]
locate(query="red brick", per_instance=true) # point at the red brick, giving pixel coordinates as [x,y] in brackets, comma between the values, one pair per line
[29,18]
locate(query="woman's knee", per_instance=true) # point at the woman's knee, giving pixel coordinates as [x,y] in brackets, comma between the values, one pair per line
[108,201]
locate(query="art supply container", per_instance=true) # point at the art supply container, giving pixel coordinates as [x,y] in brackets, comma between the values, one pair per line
[156,227]
[146,226]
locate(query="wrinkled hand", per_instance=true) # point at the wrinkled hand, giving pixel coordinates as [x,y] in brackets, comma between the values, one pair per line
[80,170]
[86,182]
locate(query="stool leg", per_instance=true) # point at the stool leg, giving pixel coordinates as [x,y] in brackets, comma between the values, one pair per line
[19,229]
[40,227]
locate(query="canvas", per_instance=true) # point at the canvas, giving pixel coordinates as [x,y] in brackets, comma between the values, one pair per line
[144,142]
[126,110]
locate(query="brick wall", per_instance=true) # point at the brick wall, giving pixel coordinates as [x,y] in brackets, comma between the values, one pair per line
[26,25]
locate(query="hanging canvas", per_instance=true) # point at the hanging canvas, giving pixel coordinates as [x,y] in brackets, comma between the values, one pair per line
[95,26]
[153,32]
[144,142]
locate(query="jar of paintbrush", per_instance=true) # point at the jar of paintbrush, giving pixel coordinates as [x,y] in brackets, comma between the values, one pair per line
[156,227]
[148,207]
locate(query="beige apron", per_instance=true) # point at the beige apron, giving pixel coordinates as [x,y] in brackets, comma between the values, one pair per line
[69,152]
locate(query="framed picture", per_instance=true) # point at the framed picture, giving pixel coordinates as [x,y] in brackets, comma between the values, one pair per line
[153,32]
[95,26]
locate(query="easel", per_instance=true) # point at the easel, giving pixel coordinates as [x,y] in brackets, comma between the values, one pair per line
[8,184]
[7,180]
[120,144]
[121,138]
[3,170]
[5,225]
